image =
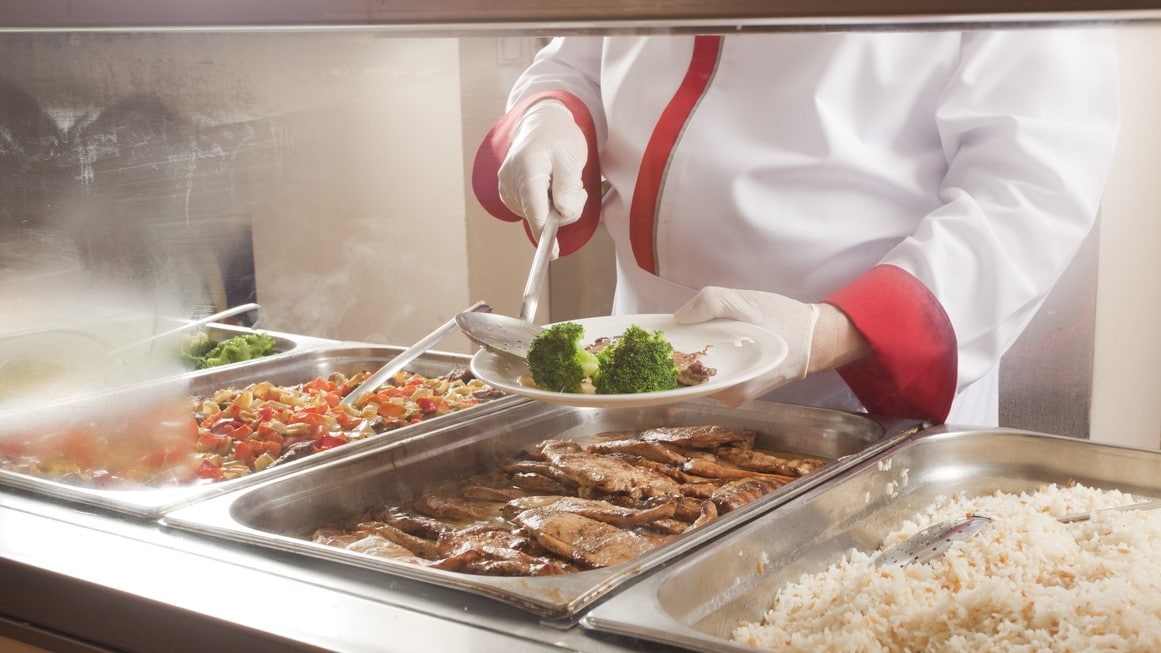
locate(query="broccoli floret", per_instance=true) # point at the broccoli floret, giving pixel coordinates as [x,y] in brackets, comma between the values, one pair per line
[201,353]
[639,361]
[557,358]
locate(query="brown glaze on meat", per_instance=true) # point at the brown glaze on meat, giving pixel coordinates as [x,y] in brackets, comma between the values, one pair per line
[562,505]
[701,437]
[735,494]
[608,474]
[655,451]
[455,509]
[597,509]
[587,542]
[760,461]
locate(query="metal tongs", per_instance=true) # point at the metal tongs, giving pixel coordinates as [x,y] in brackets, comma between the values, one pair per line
[405,357]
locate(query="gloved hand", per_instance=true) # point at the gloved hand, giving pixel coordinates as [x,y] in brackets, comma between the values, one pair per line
[789,318]
[541,176]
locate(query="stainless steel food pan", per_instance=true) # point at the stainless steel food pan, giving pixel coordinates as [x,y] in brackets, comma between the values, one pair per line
[280,514]
[292,368]
[283,342]
[697,602]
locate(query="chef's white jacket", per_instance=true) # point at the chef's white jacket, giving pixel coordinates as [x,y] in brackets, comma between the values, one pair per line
[931,185]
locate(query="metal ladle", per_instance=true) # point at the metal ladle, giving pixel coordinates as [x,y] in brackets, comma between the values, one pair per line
[507,335]
[933,542]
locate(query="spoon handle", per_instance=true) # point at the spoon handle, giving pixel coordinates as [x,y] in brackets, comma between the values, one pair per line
[396,365]
[1144,505]
[539,268]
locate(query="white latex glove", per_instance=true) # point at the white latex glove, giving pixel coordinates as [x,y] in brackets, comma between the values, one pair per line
[541,176]
[789,318]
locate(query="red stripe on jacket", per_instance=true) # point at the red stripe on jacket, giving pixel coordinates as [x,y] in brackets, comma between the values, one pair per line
[643,210]
[913,367]
[494,149]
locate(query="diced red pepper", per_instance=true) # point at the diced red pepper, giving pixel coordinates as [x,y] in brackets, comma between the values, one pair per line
[329,441]
[244,453]
[346,421]
[209,470]
[319,385]
[429,405]
[213,442]
[390,410]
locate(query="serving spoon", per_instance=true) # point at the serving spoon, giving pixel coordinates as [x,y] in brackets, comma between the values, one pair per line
[933,542]
[507,335]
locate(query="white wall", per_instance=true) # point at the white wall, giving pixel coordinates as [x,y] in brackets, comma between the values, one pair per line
[1126,407]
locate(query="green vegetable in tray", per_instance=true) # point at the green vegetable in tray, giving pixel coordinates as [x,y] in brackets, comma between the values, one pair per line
[201,352]
[557,359]
[638,361]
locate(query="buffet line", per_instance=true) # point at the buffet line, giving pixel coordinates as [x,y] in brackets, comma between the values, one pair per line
[439,512]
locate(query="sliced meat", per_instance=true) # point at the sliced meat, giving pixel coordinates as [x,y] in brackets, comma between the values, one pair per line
[709,512]
[668,526]
[710,469]
[523,466]
[672,472]
[416,545]
[376,545]
[656,451]
[587,542]
[689,509]
[610,475]
[417,525]
[702,490]
[333,537]
[701,437]
[478,537]
[499,561]
[760,461]
[535,483]
[603,511]
[736,494]
[489,493]
[455,509]
[690,369]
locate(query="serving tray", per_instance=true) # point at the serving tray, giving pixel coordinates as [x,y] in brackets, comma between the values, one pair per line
[281,513]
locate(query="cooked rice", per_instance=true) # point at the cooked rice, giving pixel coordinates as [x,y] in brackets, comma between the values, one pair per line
[1026,582]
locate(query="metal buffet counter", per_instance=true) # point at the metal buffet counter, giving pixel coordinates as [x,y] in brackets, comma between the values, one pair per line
[190,567]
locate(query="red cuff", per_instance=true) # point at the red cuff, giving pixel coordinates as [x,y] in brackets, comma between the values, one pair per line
[912,370]
[495,147]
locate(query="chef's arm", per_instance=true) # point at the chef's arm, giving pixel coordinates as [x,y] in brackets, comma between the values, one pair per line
[534,141]
[836,341]
[885,333]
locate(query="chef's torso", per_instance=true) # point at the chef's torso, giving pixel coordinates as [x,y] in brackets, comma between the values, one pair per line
[771,185]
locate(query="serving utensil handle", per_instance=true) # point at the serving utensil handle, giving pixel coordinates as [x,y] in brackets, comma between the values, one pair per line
[539,268]
[405,357]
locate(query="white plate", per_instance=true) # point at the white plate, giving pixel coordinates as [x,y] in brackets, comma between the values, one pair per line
[739,351]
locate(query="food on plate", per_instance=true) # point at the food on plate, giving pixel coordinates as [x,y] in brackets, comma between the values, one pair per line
[245,430]
[557,358]
[636,361]
[568,505]
[1025,582]
[199,351]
